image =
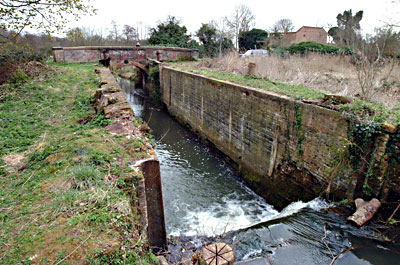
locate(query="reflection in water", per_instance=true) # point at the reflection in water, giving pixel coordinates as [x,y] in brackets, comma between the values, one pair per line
[204,196]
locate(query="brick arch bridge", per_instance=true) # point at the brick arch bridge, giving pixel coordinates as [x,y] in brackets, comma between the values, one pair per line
[119,54]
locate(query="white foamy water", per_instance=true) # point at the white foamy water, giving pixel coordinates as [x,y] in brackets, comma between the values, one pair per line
[202,195]
[227,216]
[236,214]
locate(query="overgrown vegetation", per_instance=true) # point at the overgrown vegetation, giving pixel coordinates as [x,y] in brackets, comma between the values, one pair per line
[154,78]
[212,42]
[64,198]
[312,46]
[22,58]
[297,92]
[366,110]
[328,73]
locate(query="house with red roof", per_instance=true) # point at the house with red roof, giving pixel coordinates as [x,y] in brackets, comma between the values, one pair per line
[305,33]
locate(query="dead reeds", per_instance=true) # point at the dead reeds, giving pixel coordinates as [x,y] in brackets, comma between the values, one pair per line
[335,74]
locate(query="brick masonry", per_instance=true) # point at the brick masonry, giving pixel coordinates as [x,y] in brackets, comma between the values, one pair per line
[305,33]
[119,54]
[285,149]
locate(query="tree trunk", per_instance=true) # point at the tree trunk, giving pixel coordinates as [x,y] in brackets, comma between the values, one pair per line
[365,211]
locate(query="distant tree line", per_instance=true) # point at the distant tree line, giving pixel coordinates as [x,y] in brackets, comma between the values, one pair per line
[213,38]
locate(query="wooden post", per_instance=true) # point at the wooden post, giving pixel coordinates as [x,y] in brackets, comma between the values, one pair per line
[154,203]
[251,69]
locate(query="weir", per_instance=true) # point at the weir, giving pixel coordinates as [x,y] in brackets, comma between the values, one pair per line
[287,149]
[204,196]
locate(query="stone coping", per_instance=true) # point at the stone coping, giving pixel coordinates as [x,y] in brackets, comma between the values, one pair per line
[124,48]
[263,93]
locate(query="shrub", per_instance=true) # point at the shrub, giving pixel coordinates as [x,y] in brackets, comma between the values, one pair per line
[154,77]
[19,76]
[14,56]
[311,46]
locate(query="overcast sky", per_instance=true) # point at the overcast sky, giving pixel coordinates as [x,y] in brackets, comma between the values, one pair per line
[192,13]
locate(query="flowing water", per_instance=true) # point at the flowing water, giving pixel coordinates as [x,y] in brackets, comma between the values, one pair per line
[203,196]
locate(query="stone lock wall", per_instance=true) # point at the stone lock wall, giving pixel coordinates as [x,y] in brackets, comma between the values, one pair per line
[119,54]
[286,150]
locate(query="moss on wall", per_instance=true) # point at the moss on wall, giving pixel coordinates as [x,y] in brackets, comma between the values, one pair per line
[311,150]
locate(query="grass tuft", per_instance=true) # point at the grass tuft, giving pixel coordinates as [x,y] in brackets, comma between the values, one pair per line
[60,179]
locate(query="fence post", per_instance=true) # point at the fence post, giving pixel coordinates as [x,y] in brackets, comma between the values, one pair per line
[154,203]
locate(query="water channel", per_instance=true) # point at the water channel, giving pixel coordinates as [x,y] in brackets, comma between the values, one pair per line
[203,196]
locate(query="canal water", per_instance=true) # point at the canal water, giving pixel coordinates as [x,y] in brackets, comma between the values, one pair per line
[204,196]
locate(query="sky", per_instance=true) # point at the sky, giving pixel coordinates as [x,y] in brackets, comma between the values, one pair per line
[142,14]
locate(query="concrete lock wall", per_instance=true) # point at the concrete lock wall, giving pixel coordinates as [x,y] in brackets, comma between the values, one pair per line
[285,149]
[118,54]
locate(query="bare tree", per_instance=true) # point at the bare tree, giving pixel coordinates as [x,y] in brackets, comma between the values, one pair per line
[283,25]
[129,33]
[371,55]
[222,32]
[242,19]
[93,36]
[222,29]
[85,36]
[114,32]
[393,13]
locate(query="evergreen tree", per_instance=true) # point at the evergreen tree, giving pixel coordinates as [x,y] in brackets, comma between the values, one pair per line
[347,31]
[252,39]
[170,33]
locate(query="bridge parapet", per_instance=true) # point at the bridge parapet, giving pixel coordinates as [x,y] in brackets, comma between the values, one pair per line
[121,53]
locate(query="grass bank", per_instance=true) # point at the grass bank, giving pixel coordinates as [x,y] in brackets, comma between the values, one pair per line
[64,198]
[293,91]
[365,110]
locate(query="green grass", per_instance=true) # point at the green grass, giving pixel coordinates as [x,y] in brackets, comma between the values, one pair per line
[372,111]
[362,109]
[293,91]
[67,190]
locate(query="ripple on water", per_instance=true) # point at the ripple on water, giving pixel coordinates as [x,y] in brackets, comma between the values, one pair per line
[204,196]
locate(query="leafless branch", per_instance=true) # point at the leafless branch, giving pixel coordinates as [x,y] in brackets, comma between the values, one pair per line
[395,211]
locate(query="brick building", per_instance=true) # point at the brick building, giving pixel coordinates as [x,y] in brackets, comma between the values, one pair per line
[305,33]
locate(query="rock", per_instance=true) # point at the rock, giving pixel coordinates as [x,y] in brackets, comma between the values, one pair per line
[218,254]
[162,260]
[103,102]
[338,99]
[144,128]
[106,89]
[117,128]
[311,101]
[118,109]
[388,127]
[365,211]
